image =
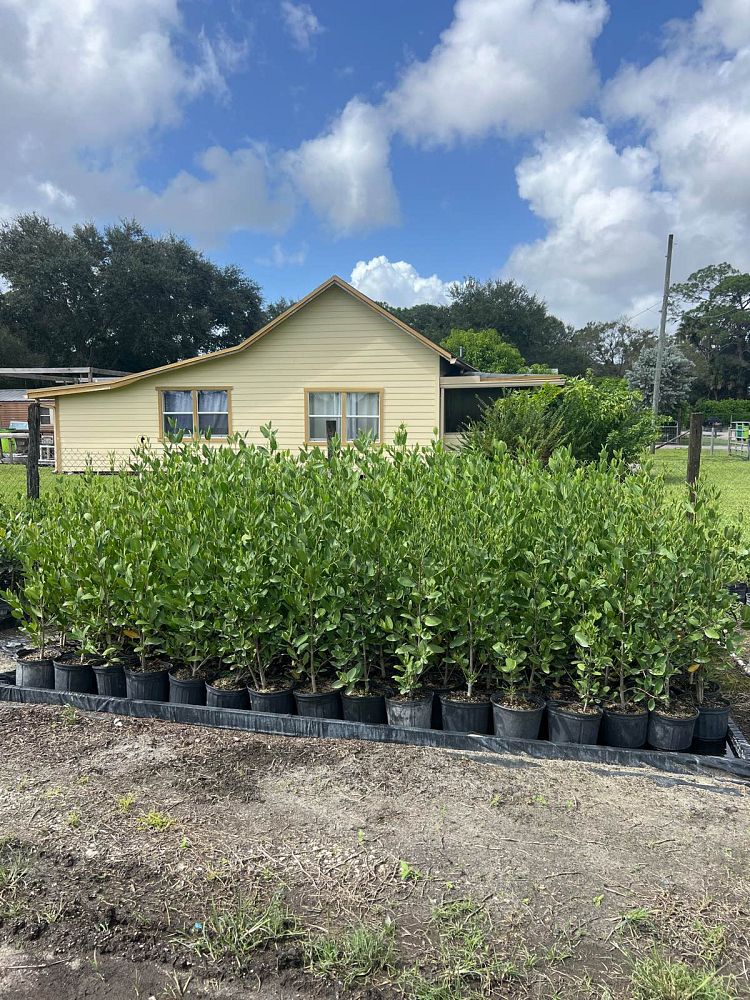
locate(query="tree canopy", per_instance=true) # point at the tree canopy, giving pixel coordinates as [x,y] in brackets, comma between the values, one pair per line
[118,297]
[611,347]
[484,350]
[713,312]
[518,316]
[677,377]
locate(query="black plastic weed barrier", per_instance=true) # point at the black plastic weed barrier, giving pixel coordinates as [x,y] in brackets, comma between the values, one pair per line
[296,725]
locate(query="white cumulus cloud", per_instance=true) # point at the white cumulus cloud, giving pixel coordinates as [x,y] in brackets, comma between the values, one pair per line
[344,173]
[397,283]
[609,207]
[511,66]
[85,85]
[507,66]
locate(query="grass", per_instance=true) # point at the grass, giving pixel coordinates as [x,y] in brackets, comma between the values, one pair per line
[730,473]
[354,956]
[658,978]
[236,932]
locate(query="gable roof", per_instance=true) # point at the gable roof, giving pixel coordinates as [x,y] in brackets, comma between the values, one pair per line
[332,282]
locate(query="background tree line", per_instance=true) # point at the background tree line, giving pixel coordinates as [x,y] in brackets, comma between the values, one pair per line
[123,299]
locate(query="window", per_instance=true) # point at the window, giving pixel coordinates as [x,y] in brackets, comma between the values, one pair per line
[322,408]
[187,409]
[464,406]
[213,412]
[45,416]
[348,414]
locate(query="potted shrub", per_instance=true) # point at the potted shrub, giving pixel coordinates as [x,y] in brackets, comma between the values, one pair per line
[33,604]
[146,675]
[671,723]
[517,711]
[710,649]
[360,703]
[74,669]
[415,649]
[612,644]
[252,615]
[313,593]
[578,721]
[470,613]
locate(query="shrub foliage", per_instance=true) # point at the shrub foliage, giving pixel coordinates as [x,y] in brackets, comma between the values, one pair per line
[590,416]
[403,563]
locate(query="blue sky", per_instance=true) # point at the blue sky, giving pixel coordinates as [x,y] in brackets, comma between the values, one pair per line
[402,146]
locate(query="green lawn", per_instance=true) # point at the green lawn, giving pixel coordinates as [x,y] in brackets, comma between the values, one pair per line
[730,474]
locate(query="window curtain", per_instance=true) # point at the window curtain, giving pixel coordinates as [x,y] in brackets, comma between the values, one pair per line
[362,414]
[213,412]
[323,406]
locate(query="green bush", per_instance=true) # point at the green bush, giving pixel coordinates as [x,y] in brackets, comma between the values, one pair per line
[726,410]
[390,563]
[589,416]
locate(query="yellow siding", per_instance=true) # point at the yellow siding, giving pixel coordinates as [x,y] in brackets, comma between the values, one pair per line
[333,341]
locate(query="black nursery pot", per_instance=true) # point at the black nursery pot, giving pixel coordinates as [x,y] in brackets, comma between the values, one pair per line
[321,705]
[518,723]
[8,677]
[369,708]
[224,698]
[668,733]
[110,680]
[466,716]
[436,718]
[566,725]
[275,702]
[412,713]
[190,691]
[712,723]
[149,685]
[72,675]
[624,729]
[34,673]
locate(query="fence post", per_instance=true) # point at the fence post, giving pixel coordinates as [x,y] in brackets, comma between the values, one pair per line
[32,458]
[713,437]
[694,450]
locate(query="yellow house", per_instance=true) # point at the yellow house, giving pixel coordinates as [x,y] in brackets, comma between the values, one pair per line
[335,362]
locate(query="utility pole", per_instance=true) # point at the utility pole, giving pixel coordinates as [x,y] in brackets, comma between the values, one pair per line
[662,332]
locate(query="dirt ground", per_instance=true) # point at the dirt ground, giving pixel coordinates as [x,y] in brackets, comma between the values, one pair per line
[121,838]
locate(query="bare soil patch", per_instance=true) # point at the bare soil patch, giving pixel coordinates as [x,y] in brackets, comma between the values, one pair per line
[121,837]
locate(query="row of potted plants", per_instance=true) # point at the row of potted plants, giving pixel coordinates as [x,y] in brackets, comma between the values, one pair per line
[698,718]
[386,570]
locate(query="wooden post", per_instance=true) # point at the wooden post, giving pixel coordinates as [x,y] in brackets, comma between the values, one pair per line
[32,457]
[713,437]
[694,450]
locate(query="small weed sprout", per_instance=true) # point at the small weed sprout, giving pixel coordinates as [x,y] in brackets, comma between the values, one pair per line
[154,820]
[125,803]
[408,873]
[73,819]
[69,715]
